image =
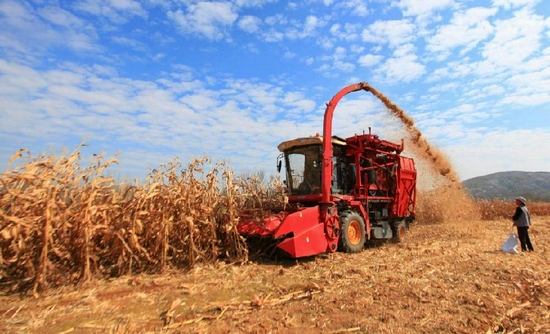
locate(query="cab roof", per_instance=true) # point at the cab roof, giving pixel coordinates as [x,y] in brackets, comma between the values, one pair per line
[304,141]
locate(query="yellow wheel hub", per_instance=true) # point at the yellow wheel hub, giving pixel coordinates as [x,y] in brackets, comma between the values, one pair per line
[354,232]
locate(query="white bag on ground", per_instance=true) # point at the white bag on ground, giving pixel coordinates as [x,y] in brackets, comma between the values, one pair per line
[511,244]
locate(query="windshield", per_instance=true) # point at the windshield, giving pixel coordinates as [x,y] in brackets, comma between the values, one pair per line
[304,169]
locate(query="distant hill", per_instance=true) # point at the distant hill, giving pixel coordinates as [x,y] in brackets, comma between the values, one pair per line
[509,185]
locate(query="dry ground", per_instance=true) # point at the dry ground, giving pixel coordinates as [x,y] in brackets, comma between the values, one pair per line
[447,278]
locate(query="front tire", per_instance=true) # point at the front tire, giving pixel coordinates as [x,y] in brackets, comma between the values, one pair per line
[399,231]
[352,237]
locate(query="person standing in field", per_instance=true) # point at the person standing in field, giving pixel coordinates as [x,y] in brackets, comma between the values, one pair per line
[522,221]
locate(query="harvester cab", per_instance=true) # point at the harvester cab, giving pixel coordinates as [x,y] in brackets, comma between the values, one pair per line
[303,159]
[341,192]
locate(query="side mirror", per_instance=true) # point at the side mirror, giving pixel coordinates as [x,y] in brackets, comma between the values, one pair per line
[279,163]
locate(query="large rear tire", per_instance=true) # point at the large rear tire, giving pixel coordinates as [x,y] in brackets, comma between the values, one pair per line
[352,237]
[399,231]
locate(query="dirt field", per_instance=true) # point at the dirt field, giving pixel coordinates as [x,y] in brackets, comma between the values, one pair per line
[447,278]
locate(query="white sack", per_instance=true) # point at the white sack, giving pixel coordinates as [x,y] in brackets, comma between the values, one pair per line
[511,244]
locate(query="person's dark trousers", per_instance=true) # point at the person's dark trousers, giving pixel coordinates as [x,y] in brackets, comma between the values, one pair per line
[523,235]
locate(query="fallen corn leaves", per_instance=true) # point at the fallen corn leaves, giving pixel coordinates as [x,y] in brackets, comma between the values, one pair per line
[446,278]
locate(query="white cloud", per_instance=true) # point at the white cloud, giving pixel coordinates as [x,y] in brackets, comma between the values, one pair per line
[280,27]
[289,55]
[273,35]
[344,66]
[405,68]
[421,7]
[297,99]
[61,17]
[308,28]
[253,3]
[392,32]
[24,31]
[277,19]
[250,24]
[482,93]
[468,113]
[466,29]
[507,4]
[369,60]
[347,32]
[311,24]
[118,11]
[529,100]
[133,43]
[208,19]
[515,40]
[200,102]
[357,49]
[336,63]
[356,7]
[124,111]
[535,79]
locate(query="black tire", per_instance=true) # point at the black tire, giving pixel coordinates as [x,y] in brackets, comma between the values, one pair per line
[399,231]
[352,237]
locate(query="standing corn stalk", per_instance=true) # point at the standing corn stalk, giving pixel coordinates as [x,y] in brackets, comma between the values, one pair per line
[63,224]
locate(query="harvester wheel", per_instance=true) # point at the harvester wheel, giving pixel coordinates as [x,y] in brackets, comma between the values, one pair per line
[352,237]
[399,231]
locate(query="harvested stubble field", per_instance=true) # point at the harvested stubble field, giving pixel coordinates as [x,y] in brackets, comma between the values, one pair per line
[447,278]
[82,254]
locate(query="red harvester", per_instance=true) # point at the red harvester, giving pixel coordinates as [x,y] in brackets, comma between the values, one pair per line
[341,192]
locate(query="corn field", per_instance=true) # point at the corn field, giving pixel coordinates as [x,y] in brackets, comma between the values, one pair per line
[61,223]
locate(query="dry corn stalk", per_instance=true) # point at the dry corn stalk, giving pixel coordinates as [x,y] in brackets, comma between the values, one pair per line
[61,223]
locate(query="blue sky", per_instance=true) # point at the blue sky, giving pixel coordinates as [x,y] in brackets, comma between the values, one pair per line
[151,80]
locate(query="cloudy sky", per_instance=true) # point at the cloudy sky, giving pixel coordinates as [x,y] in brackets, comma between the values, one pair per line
[154,79]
